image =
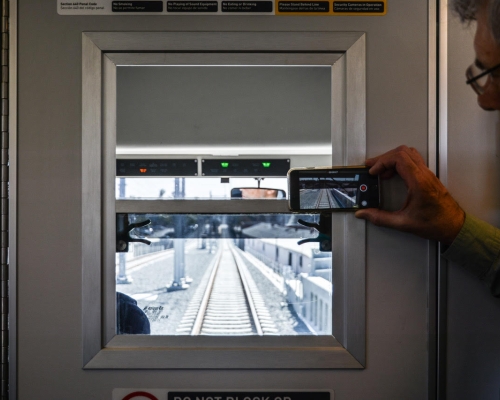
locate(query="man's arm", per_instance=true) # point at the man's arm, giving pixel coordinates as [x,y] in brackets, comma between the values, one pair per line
[477,249]
[430,212]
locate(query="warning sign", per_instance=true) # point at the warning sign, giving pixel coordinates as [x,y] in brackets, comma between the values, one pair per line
[339,8]
[247,6]
[165,394]
[304,7]
[140,394]
[192,6]
[364,7]
[249,396]
[137,6]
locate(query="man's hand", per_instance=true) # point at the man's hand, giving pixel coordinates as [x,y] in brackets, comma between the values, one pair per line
[429,210]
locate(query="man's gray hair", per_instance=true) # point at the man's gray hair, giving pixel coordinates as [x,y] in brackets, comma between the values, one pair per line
[467,9]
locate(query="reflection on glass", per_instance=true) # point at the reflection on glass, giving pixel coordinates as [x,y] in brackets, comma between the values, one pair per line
[191,188]
[257,193]
[228,275]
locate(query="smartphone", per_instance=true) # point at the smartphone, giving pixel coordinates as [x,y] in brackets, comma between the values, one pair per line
[325,189]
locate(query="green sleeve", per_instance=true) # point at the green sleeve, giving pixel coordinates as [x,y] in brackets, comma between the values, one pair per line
[477,249]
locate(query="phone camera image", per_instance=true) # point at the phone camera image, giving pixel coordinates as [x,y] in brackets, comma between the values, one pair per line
[335,189]
[325,192]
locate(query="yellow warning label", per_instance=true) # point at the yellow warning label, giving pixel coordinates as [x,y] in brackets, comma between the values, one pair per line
[331,7]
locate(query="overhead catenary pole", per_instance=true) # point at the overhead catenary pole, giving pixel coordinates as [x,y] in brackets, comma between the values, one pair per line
[179,282]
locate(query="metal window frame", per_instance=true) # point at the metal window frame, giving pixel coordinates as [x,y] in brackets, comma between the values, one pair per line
[101,52]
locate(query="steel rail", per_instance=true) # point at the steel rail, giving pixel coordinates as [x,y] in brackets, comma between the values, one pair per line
[242,271]
[228,307]
[198,323]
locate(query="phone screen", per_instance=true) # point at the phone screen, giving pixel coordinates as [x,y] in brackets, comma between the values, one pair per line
[335,189]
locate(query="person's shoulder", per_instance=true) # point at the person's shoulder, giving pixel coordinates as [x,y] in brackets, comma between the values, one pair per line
[122,297]
[130,318]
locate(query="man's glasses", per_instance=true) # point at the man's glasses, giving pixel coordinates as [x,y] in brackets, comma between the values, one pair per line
[479,78]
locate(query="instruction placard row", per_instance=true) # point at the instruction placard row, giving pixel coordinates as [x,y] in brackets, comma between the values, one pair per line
[223,7]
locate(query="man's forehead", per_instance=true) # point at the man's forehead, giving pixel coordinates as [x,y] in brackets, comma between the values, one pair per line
[487,49]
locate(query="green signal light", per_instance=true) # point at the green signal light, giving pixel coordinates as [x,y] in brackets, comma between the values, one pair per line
[224,164]
[266,164]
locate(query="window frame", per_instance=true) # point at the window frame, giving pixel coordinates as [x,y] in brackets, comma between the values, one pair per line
[102,52]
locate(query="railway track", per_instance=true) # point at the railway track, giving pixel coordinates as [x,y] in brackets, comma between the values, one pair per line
[227,302]
[325,200]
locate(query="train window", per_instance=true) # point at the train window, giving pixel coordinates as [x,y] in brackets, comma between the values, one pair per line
[209,275]
[223,282]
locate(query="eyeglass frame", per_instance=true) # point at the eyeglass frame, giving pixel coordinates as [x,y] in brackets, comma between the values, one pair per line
[471,81]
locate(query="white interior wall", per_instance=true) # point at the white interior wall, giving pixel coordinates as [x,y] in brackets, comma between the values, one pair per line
[49,205]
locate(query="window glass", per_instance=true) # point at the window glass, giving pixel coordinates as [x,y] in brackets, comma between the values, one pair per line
[190,188]
[224,275]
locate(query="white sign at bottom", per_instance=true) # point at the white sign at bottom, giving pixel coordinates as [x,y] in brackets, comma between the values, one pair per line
[165,394]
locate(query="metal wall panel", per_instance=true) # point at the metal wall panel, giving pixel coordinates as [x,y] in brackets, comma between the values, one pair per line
[49,220]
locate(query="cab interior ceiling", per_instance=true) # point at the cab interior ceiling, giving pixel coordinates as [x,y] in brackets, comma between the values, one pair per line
[238,112]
